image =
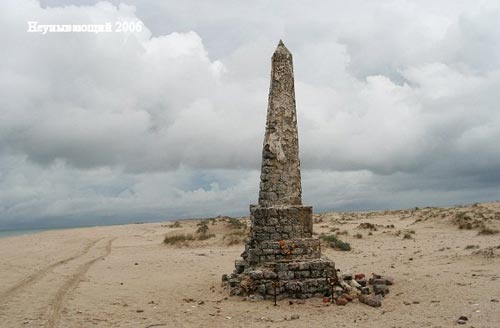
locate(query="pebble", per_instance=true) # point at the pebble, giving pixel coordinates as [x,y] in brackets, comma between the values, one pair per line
[359,276]
[341,301]
[255,298]
[377,281]
[370,300]
[294,317]
[347,276]
[349,298]
[362,282]
[380,290]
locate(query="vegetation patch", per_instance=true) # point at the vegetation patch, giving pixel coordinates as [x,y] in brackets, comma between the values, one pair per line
[489,252]
[235,237]
[235,223]
[202,227]
[335,242]
[205,236]
[367,226]
[184,239]
[466,221]
[176,224]
[407,235]
[178,239]
[485,231]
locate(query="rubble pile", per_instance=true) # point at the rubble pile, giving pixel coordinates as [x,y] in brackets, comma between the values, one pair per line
[348,287]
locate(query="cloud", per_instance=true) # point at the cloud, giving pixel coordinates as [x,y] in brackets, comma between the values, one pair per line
[399,98]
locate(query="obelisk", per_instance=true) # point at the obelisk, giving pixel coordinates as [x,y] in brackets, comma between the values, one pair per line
[280,175]
[280,248]
[280,214]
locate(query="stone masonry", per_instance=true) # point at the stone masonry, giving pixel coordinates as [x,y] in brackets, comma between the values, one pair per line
[280,254]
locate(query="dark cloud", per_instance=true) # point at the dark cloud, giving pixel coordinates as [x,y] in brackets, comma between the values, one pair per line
[397,106]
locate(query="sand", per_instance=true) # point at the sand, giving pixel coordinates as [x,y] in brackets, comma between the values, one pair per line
[125,276]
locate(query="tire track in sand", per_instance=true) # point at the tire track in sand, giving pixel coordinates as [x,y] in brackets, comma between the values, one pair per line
[70,284]
[31,279]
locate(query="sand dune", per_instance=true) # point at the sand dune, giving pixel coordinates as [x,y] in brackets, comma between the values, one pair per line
[445,261]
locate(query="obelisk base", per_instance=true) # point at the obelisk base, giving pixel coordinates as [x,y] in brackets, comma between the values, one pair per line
[284,278]
[280,250]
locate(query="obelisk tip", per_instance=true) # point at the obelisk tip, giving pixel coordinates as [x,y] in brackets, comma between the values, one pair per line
[281,48]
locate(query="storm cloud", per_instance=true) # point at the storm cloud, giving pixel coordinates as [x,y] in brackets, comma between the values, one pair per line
[397,106]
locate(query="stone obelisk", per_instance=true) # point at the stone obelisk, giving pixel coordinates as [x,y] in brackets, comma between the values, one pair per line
[280,247]
[280,175]
[280,214]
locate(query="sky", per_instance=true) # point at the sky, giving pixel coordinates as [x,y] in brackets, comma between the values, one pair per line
[397,104]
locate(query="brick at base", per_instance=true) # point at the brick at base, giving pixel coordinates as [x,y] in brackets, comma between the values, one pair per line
[295,278]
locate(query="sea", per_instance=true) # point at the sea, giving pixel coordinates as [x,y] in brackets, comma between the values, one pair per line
[20,232]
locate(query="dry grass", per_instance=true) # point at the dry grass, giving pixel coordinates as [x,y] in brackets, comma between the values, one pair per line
[235,237]
[205,236]
[236,223]
[485,231]
[407,235]
[336,243]
[176,224]
[367,226]
[178,239]
[185,239]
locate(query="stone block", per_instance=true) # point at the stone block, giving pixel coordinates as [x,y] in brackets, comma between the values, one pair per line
[293,220]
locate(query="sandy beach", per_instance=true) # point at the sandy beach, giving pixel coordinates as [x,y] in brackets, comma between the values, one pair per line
[445,262]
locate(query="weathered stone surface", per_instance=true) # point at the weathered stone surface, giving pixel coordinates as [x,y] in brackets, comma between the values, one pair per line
[280,255]
[287,249]
[359,276]
[370,300]
[381,290]
[281,222]
[280,176]
[362,282]
[342,301]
